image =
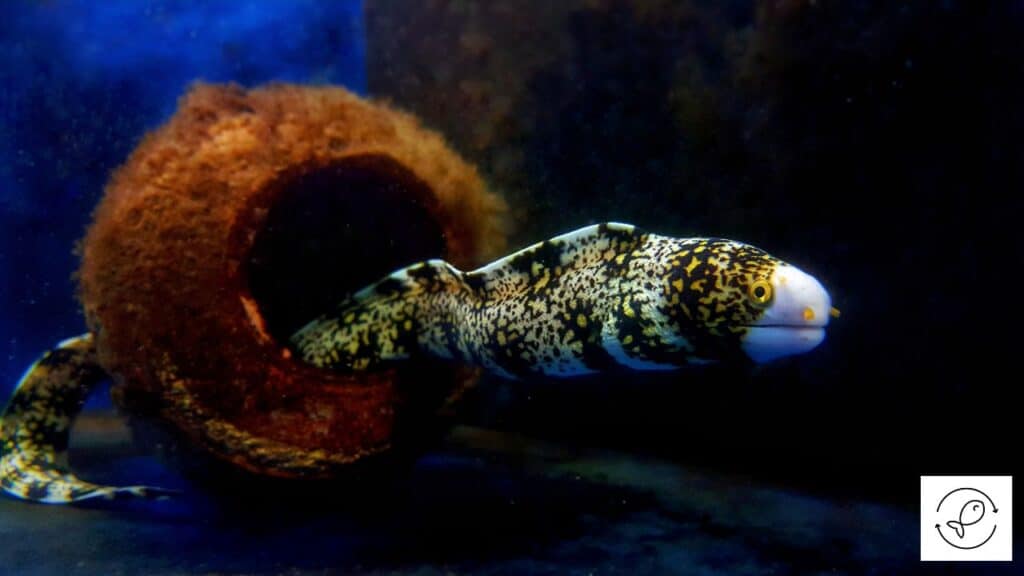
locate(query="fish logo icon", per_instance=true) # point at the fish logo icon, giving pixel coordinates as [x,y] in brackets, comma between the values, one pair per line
[966,518]
[972,527]
[972,513]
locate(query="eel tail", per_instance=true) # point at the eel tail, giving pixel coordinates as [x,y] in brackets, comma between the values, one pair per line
[34,429]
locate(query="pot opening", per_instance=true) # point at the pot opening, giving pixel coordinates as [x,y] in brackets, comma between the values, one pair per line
[331,230]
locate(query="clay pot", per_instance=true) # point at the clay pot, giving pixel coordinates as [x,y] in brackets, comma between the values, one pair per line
[243,217]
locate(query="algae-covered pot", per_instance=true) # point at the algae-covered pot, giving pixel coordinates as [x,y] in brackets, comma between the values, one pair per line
[248,213]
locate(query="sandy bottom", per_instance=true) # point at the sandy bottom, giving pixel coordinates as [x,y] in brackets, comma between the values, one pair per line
[484,503]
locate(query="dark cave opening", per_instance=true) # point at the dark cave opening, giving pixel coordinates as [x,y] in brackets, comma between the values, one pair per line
[333,229]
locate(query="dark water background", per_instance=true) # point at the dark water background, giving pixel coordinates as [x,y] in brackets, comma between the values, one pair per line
[875,144]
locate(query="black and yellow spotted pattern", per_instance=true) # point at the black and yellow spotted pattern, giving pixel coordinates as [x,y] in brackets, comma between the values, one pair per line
[34,428]
[604,297]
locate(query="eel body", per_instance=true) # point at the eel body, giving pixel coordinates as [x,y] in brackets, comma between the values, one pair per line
[607,297]
[34,429]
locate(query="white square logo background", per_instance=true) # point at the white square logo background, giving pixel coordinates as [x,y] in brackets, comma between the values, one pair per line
[966,518]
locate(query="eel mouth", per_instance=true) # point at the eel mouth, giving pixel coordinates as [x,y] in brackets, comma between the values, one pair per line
[788,328]
[331,229]
[768,342]
[821,326]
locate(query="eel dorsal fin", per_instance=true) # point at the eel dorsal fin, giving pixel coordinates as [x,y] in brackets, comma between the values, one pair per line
[578,249]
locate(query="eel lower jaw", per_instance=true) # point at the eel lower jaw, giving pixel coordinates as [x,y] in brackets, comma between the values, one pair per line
[767,343]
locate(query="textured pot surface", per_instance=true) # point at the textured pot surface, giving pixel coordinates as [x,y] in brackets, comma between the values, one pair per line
[241,218]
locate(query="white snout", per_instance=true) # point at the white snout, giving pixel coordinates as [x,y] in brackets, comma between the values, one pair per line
[794,322]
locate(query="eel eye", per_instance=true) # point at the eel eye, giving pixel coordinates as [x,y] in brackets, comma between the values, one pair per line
[760,292]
